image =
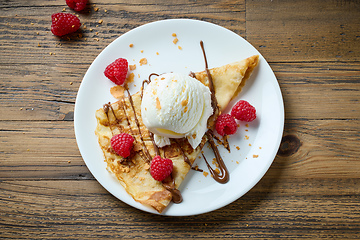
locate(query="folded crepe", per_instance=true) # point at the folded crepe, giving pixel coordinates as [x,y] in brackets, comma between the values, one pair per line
[124,115]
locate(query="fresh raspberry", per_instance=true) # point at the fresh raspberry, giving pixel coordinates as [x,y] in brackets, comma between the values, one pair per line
[225,124]
[117,71]
[77,5]
[122,144]
[64,23]
[243,111]
[160,168]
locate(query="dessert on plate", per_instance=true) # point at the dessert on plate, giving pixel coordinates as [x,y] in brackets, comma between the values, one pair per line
[170,118]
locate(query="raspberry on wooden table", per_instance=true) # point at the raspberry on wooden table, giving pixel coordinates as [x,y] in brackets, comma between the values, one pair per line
[77,5]
[225,125]
[64,23]
[244,111]
[122,144]
[160,168]
[117,71]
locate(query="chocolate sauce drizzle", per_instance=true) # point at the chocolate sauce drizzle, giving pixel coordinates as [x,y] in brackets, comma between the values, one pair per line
[186,159]
[146,81]
[197,169]
[154,144]
[169,182]
[211,84]
[107,107]
[223,141]
[146,152]
[224,175]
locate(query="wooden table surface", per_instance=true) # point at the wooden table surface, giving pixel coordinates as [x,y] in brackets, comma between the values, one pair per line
[312,188]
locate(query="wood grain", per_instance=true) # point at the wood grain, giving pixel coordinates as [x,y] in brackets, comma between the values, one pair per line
[305,30]
[273,209]
[52,97]
[42,153]
[311,191]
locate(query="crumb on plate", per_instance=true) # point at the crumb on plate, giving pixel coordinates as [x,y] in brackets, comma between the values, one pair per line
[143,61]
[132,67]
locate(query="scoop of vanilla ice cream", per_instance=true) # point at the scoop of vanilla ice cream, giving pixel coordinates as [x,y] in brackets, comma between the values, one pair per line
[175,106]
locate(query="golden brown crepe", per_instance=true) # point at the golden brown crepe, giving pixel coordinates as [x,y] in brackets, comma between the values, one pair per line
[124,115]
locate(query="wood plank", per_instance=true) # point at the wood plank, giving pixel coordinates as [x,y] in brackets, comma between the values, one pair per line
[312,209]
[45,65]
[46,148]
[45,93]
[39,92]
[310,191]
[319,90]
[304,30]
[40,150]
[318,149]
[36,42]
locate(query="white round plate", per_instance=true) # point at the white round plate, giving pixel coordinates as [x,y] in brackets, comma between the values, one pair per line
[258,142]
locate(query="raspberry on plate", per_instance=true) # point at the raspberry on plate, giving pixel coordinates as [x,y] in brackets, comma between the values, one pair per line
[77,5]
[64,23]
[243,111]
[160,168]
[117,71]
[122,144]
[225,124]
